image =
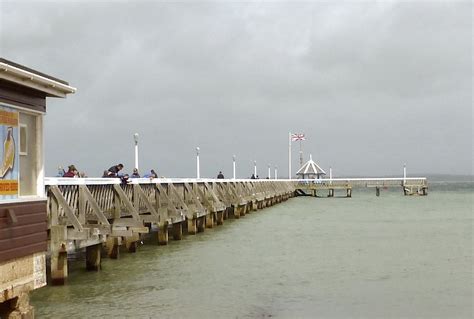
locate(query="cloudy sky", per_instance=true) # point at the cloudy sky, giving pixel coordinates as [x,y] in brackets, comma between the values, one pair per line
[372,84]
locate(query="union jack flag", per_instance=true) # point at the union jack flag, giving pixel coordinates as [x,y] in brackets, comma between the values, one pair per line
[298,137]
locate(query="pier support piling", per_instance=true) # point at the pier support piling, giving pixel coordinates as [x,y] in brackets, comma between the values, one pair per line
[201,224]
[93,257]
[220,217]
[192,226]
[163,235]
[113,245]
[59,269]
[210,220]
[177,231]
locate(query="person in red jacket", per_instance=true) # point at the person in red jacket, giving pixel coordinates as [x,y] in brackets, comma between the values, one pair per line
[72,172]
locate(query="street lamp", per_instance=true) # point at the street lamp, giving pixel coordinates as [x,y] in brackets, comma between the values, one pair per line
[198,173]
[233,164]
[255,169]
[269,171]
[135,138]
[276,172]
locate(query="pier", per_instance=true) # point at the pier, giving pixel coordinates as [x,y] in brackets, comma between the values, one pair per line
[101,214]
[408,185]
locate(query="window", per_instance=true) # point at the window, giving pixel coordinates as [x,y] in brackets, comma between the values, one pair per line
[29,155]
[23,139]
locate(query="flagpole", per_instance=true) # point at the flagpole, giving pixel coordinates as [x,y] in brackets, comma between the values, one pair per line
[289,155]
[301,153]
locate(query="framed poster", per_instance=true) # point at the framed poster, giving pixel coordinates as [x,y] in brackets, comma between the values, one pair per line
[9,161]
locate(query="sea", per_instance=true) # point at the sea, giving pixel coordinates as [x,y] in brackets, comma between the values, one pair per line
[391,256]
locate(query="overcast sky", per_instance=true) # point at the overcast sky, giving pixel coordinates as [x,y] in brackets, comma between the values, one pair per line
[372,84]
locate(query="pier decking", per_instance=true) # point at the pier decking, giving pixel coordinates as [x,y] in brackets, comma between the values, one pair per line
[409,185]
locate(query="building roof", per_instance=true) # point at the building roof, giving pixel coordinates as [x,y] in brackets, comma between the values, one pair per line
[310,168]
[25,76]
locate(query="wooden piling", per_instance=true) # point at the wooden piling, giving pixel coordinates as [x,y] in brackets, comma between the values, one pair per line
[177,231]
[93,257]
[59,267]
[113,245]
[163,235]
[192,226]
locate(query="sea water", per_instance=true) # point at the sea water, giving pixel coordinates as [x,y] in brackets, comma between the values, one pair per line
[391,256]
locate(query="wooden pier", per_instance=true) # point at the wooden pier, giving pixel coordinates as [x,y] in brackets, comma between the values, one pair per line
[328,187]
[103,215]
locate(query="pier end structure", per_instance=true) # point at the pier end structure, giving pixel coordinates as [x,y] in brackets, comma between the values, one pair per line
[23,213]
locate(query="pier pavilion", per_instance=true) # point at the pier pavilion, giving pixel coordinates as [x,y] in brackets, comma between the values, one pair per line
[23,213]
[310,170]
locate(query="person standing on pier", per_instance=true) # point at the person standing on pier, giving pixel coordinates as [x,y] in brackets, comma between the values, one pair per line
[114,170]
[135,173]
[72,172]
[220,175]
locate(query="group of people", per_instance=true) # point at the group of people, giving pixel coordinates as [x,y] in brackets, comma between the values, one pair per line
[112,172]
[71,172]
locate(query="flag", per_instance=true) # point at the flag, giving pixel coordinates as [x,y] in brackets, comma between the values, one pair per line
[298,137]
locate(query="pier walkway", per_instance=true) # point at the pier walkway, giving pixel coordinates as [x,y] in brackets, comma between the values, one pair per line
[409,185]
[94,213]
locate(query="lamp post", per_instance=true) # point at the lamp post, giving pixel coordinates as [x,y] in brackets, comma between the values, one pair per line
[269,171]
[198,173]
[233,165]
[404,174]
[135,138]
[255,169]
[276,172]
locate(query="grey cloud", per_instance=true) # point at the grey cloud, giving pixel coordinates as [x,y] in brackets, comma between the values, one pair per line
[371,85]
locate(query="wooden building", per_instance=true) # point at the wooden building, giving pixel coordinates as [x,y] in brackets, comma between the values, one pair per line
[23,219]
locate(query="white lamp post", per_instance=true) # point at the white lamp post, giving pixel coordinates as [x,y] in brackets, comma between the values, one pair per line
[198,173]
[269,171]
[404,174]
[276,172]
[255,169]
[135,138]
[233,165]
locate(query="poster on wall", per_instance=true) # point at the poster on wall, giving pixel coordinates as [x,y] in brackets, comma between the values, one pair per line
[9,161]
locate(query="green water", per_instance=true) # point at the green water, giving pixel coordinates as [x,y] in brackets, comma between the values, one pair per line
[365,257]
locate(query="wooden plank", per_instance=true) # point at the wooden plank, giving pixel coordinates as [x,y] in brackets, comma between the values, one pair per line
[67,210]
[128,204]
[95,207]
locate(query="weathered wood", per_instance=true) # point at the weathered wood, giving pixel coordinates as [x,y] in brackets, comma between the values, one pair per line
[67,210]
[93,257]
[126,201]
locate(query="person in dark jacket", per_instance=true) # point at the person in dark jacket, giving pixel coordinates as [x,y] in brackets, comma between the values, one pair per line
[114,170]
[135,173]
[220,175]
[125,179]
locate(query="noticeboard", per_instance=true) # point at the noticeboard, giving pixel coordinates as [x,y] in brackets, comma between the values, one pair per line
[9,161]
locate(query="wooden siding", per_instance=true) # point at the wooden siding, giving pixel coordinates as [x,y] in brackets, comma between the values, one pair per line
[28,235]
[18,95]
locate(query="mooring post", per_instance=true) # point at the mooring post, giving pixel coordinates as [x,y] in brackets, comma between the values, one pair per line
[93,257]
